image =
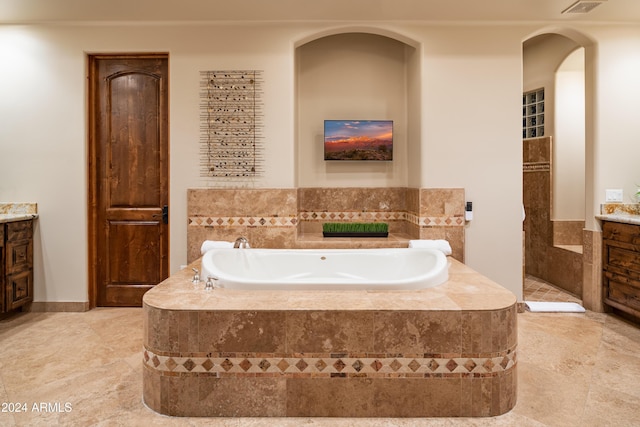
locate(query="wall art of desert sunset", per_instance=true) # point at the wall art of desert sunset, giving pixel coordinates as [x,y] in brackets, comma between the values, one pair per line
[358,140]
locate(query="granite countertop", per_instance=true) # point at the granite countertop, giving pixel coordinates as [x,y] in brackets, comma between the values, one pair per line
[10,212]
[16,217]
[620,217]
[620,212]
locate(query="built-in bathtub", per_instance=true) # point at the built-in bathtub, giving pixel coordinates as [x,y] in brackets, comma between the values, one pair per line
[325,269]
[447,350]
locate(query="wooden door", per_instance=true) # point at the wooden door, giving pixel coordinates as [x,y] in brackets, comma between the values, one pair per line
[129,177]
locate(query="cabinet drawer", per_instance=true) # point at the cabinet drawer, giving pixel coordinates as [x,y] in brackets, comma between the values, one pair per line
[624,294]
[19,256]
[627,234]
[622,260]
[19,230]
[19,289]
[3,308]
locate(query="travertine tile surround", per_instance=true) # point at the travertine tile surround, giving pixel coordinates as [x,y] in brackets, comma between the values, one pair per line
[543,258]
[292,218]
[443,351]
[568,233]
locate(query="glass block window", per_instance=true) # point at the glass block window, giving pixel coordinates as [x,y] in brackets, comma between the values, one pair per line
[533,114]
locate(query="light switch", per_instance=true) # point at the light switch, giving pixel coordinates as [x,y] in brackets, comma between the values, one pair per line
[613,195]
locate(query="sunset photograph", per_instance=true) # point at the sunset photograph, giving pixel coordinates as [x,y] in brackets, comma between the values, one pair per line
[358,140]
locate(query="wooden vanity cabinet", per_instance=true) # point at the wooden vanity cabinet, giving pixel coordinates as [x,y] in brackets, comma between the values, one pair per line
[17,263]
[2,286]
[621,267]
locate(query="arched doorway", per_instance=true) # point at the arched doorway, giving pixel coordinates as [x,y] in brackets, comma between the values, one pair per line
[557,176]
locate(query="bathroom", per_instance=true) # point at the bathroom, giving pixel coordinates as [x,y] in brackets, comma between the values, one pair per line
[458,129]
[455,93]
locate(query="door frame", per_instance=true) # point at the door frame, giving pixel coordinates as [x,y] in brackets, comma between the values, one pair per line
[92,178]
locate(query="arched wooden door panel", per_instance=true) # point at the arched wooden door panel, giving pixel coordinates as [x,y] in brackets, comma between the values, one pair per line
[129,177]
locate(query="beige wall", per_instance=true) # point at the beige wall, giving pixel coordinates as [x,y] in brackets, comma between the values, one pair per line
[346,77]
[471,78]
[569,139]
[466,100]
[615,135]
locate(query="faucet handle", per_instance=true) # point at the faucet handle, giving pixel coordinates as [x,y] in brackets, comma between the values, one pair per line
[209,285]
[196,276]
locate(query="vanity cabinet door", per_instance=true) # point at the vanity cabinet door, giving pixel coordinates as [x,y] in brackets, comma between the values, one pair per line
[3,308]
[19,289]
[621,267]
[18,268]
[19,256]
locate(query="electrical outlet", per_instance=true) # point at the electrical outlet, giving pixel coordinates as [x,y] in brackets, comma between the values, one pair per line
[613,195]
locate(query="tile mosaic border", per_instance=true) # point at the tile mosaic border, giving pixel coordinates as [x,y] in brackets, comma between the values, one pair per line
[334,365]
[353,215]
[536,167]
[292,221]
[248,221]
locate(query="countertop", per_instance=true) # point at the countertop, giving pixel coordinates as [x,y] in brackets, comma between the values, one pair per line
[620,212]
[466,289]
[16,217]
[623,218]
[10,212]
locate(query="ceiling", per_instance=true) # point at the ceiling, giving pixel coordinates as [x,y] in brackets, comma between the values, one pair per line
[468,11]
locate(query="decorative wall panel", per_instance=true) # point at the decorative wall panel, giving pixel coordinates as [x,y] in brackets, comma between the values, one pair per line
[231,124]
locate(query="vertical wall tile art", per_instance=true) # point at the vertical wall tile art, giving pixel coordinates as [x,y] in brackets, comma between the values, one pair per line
[231,143]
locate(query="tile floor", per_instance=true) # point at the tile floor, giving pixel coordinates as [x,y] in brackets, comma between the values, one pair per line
[536,289]
[573,370]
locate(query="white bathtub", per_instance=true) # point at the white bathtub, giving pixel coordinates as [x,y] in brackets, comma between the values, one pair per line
[318,269]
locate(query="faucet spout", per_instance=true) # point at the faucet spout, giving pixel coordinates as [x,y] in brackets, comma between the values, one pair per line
[241,243]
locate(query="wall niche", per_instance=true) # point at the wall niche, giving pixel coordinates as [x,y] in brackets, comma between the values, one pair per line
[357,76]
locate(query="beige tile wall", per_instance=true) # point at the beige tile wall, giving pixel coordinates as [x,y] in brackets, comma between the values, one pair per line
[561,267]
[568,232]
[280,218]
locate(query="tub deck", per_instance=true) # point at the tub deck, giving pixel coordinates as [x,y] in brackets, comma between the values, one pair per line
[443,351]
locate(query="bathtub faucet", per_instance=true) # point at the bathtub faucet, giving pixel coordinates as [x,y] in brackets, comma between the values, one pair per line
[242,243]
[210,283]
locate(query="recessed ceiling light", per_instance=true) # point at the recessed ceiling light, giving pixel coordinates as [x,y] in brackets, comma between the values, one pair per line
[583,6]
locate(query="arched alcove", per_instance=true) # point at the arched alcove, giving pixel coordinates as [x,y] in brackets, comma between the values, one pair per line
[554,231]
[357,74]
[579,39]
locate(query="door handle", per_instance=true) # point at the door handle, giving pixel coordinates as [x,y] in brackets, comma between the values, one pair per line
[164,215]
